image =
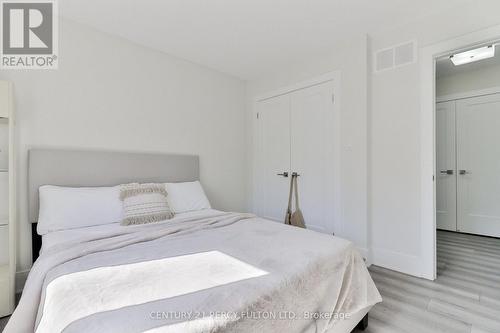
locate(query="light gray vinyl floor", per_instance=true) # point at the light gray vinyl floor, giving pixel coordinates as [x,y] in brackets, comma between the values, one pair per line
[465,298]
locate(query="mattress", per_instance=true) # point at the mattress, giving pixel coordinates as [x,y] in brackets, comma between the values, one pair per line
[206,271]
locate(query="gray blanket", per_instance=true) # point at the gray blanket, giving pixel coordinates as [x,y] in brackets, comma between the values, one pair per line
[223,272]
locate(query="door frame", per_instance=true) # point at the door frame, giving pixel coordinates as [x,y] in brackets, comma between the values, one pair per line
[428,55]
[467,94]
[330,76]
[335,77]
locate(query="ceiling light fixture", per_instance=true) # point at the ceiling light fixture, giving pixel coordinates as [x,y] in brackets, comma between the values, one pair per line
[466,57]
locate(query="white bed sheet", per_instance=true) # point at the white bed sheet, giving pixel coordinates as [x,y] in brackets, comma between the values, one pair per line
[56,237]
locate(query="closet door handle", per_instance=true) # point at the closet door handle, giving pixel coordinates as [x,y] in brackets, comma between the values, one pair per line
[464,172]
[284,174]
[446,172]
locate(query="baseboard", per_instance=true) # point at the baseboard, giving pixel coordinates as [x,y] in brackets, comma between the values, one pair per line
[21,277]
[397,261]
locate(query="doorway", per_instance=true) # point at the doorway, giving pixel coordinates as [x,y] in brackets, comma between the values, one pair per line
[467,136]
[467,162]
[428,55]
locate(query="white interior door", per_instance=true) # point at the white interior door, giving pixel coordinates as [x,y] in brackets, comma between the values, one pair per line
[446,178]
[312,154]
[478,164]
[274,157]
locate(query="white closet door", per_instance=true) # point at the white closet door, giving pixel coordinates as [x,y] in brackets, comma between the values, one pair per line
[446,181]
[312,154]
[274,157]
[478,164]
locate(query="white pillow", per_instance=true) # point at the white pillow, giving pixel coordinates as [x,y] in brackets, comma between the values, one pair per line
[186,197]
[64,208]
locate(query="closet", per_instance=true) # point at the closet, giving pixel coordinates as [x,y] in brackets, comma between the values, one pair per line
[468,165]
[297,132]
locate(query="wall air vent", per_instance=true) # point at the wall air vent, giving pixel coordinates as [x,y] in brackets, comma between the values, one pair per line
[394,56]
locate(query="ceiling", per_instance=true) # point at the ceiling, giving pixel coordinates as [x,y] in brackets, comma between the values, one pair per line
[444,66]
[246,38]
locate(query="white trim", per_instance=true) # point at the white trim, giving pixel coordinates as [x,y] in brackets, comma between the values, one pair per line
[428,57]
[468,94]
[337,150]
[330,76]
[397,261]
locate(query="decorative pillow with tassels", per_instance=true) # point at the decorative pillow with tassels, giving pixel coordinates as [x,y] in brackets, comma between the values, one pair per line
[144,203]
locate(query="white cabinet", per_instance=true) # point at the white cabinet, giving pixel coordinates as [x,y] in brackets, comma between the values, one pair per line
[5,99]
[4,243]
[298,132]
[5,303]
[7,201]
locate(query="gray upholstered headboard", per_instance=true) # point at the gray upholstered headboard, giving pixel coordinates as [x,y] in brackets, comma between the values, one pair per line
[79,168]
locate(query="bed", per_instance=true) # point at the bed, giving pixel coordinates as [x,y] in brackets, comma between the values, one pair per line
[202,271]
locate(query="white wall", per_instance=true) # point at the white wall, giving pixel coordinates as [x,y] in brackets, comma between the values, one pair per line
[478,79]
[395,195]
[350,59]
[111,94]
